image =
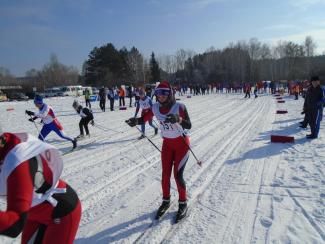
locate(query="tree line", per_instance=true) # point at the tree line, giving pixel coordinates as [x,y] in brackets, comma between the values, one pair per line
[254,61]
[243,61]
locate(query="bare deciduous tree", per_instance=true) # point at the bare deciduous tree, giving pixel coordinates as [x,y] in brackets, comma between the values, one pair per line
[6,78]
[136,64]
[55,74]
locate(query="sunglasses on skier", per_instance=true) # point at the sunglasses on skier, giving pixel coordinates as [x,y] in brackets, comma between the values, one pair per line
[162,92]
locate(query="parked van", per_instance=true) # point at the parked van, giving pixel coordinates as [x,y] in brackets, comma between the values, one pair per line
[72,90]
[53,92]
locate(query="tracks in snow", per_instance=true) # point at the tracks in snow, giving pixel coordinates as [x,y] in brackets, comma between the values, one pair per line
[204,178]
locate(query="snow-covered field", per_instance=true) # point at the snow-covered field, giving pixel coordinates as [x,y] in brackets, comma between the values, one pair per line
[247,191]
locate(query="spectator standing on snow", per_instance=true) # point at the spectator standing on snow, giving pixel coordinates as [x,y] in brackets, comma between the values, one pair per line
[87,98]
[130,95]
[296,91]
[102,98]
[121,94]
[247,88]
[111,97]
[313,105]
[304,123]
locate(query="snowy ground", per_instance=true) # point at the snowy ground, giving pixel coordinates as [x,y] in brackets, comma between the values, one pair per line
[248,191]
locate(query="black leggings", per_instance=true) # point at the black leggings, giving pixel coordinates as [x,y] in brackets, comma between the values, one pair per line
[84,123]
[88,103]
[102,105]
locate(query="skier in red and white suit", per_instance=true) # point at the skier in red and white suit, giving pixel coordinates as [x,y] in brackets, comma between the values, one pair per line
[39,204]
[173,118]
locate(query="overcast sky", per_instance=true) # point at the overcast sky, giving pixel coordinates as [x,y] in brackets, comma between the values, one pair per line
[31,30]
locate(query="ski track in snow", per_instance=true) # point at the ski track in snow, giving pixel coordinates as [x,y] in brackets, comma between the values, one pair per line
[247,190]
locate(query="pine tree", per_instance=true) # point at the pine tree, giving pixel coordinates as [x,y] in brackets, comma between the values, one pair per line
[154,69]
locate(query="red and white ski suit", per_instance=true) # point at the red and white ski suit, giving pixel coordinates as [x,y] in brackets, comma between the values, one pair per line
[40,205]
[175,147]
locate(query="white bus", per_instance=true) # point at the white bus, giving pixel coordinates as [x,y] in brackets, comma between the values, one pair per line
[72,90]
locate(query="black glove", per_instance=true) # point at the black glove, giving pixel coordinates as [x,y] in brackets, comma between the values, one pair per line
[92,122]
[132,122]
[30,113]
[172,118]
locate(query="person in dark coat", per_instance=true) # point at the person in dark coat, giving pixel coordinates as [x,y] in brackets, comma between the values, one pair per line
[130,94]
[102,98]
[110,96]
[304,123]
[313,104]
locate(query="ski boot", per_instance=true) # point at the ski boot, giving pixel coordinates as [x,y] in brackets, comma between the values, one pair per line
[141,137]
[80,137]
[163,208]
[182,211]
[74,143]
[311,136]
[156,131]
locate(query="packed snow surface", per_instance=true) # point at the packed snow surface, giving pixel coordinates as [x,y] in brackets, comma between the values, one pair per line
[248,189]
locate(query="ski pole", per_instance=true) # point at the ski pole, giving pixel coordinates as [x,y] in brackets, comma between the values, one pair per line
[155,123]
[106,129]
[189,147]
[146,137]
[36,127]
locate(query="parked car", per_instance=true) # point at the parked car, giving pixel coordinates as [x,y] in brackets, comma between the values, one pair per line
[17,96]
[3,97]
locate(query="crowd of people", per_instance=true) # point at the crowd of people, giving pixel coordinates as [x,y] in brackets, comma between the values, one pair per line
[119,94]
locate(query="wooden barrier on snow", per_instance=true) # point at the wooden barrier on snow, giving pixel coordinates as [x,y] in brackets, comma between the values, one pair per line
[277,95]
[278,98]
[10,109]
[282,139]
[281,101]
[177,99]
[281,111]
[122,108]
[188,96]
